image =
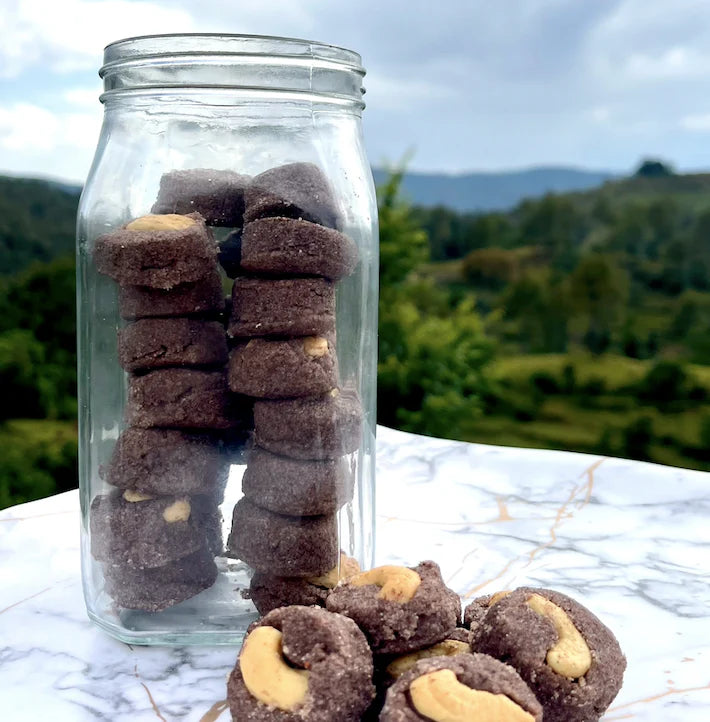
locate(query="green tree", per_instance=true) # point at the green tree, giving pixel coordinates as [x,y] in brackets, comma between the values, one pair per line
[598,290]
[433,351]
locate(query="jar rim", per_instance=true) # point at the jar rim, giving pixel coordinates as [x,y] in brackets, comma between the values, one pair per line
[337,53]
[218,60]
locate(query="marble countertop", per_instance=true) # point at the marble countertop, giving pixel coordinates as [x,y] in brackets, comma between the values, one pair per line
[627,539]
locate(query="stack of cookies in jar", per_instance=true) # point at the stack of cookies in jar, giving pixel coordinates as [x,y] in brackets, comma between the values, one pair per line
[192,384]
[291,256]
[157,531]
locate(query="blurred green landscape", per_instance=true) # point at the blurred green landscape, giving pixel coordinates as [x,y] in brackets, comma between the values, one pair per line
[576,321]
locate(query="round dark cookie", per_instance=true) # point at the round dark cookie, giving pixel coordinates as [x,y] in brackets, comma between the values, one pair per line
[295,190]
[282,307]
[475,671]
[512,631]
[397,627]
[297,487]
[167,461]
[285,246]
[283,369]
[311,428]
[183,399]
[145,532]
[269,592]
[162,342]
[155,589]
[157,251]
[284,546]
[332,649]
[203,297]
[217,195]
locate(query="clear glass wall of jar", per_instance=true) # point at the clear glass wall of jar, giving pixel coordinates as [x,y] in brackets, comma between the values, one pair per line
[227,301]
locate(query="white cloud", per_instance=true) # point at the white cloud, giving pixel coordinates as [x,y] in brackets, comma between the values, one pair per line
[696,121]
[82,97]
[35,130]
[67,35]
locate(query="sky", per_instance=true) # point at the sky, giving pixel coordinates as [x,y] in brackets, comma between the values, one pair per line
[466,85]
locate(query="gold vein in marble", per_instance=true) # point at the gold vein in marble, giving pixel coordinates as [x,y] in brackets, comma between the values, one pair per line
[26,599]
[653,698]
[586,487]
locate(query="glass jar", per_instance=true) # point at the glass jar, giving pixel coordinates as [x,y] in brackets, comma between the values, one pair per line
[227,295]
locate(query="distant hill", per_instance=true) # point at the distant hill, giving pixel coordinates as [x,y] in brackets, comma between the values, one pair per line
[37,222]
[493,191]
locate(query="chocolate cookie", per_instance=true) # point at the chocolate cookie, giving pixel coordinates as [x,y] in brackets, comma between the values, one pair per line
[155,589]
[217,195]
[203,297]
[137,530]
[466,686]
[167,461]
[296,190]
[297,487]
[283,546]
[322,428]
[283,369]
[269,592]
[282,307]
[302,664]
[399,609]
[571,661]
[285,246]
[160,342]
[181,398]
[157,251]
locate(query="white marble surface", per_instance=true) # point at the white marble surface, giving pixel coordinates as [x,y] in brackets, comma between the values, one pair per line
[629,540]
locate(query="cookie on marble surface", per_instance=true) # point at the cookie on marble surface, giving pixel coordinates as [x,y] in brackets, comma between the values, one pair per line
[182,399]
[463,687]
[270,592]
[311,428]
[302,664]
[295,190]
[203,297]
[283,368]
[283,546]
[217,195]
[571,661]
[399,609]
[295,486]
[167,461]
[138,530]
[282,307]
[160,251]
[285,246]
[155,589]
[162,342]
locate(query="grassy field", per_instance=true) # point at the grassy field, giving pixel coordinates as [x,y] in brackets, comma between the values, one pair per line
[612,421]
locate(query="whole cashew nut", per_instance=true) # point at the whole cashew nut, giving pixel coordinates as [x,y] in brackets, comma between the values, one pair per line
[397,584]
[570,656]
[266,674]
[440,697]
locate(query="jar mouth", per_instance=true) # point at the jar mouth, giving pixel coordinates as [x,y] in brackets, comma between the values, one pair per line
[241,62]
